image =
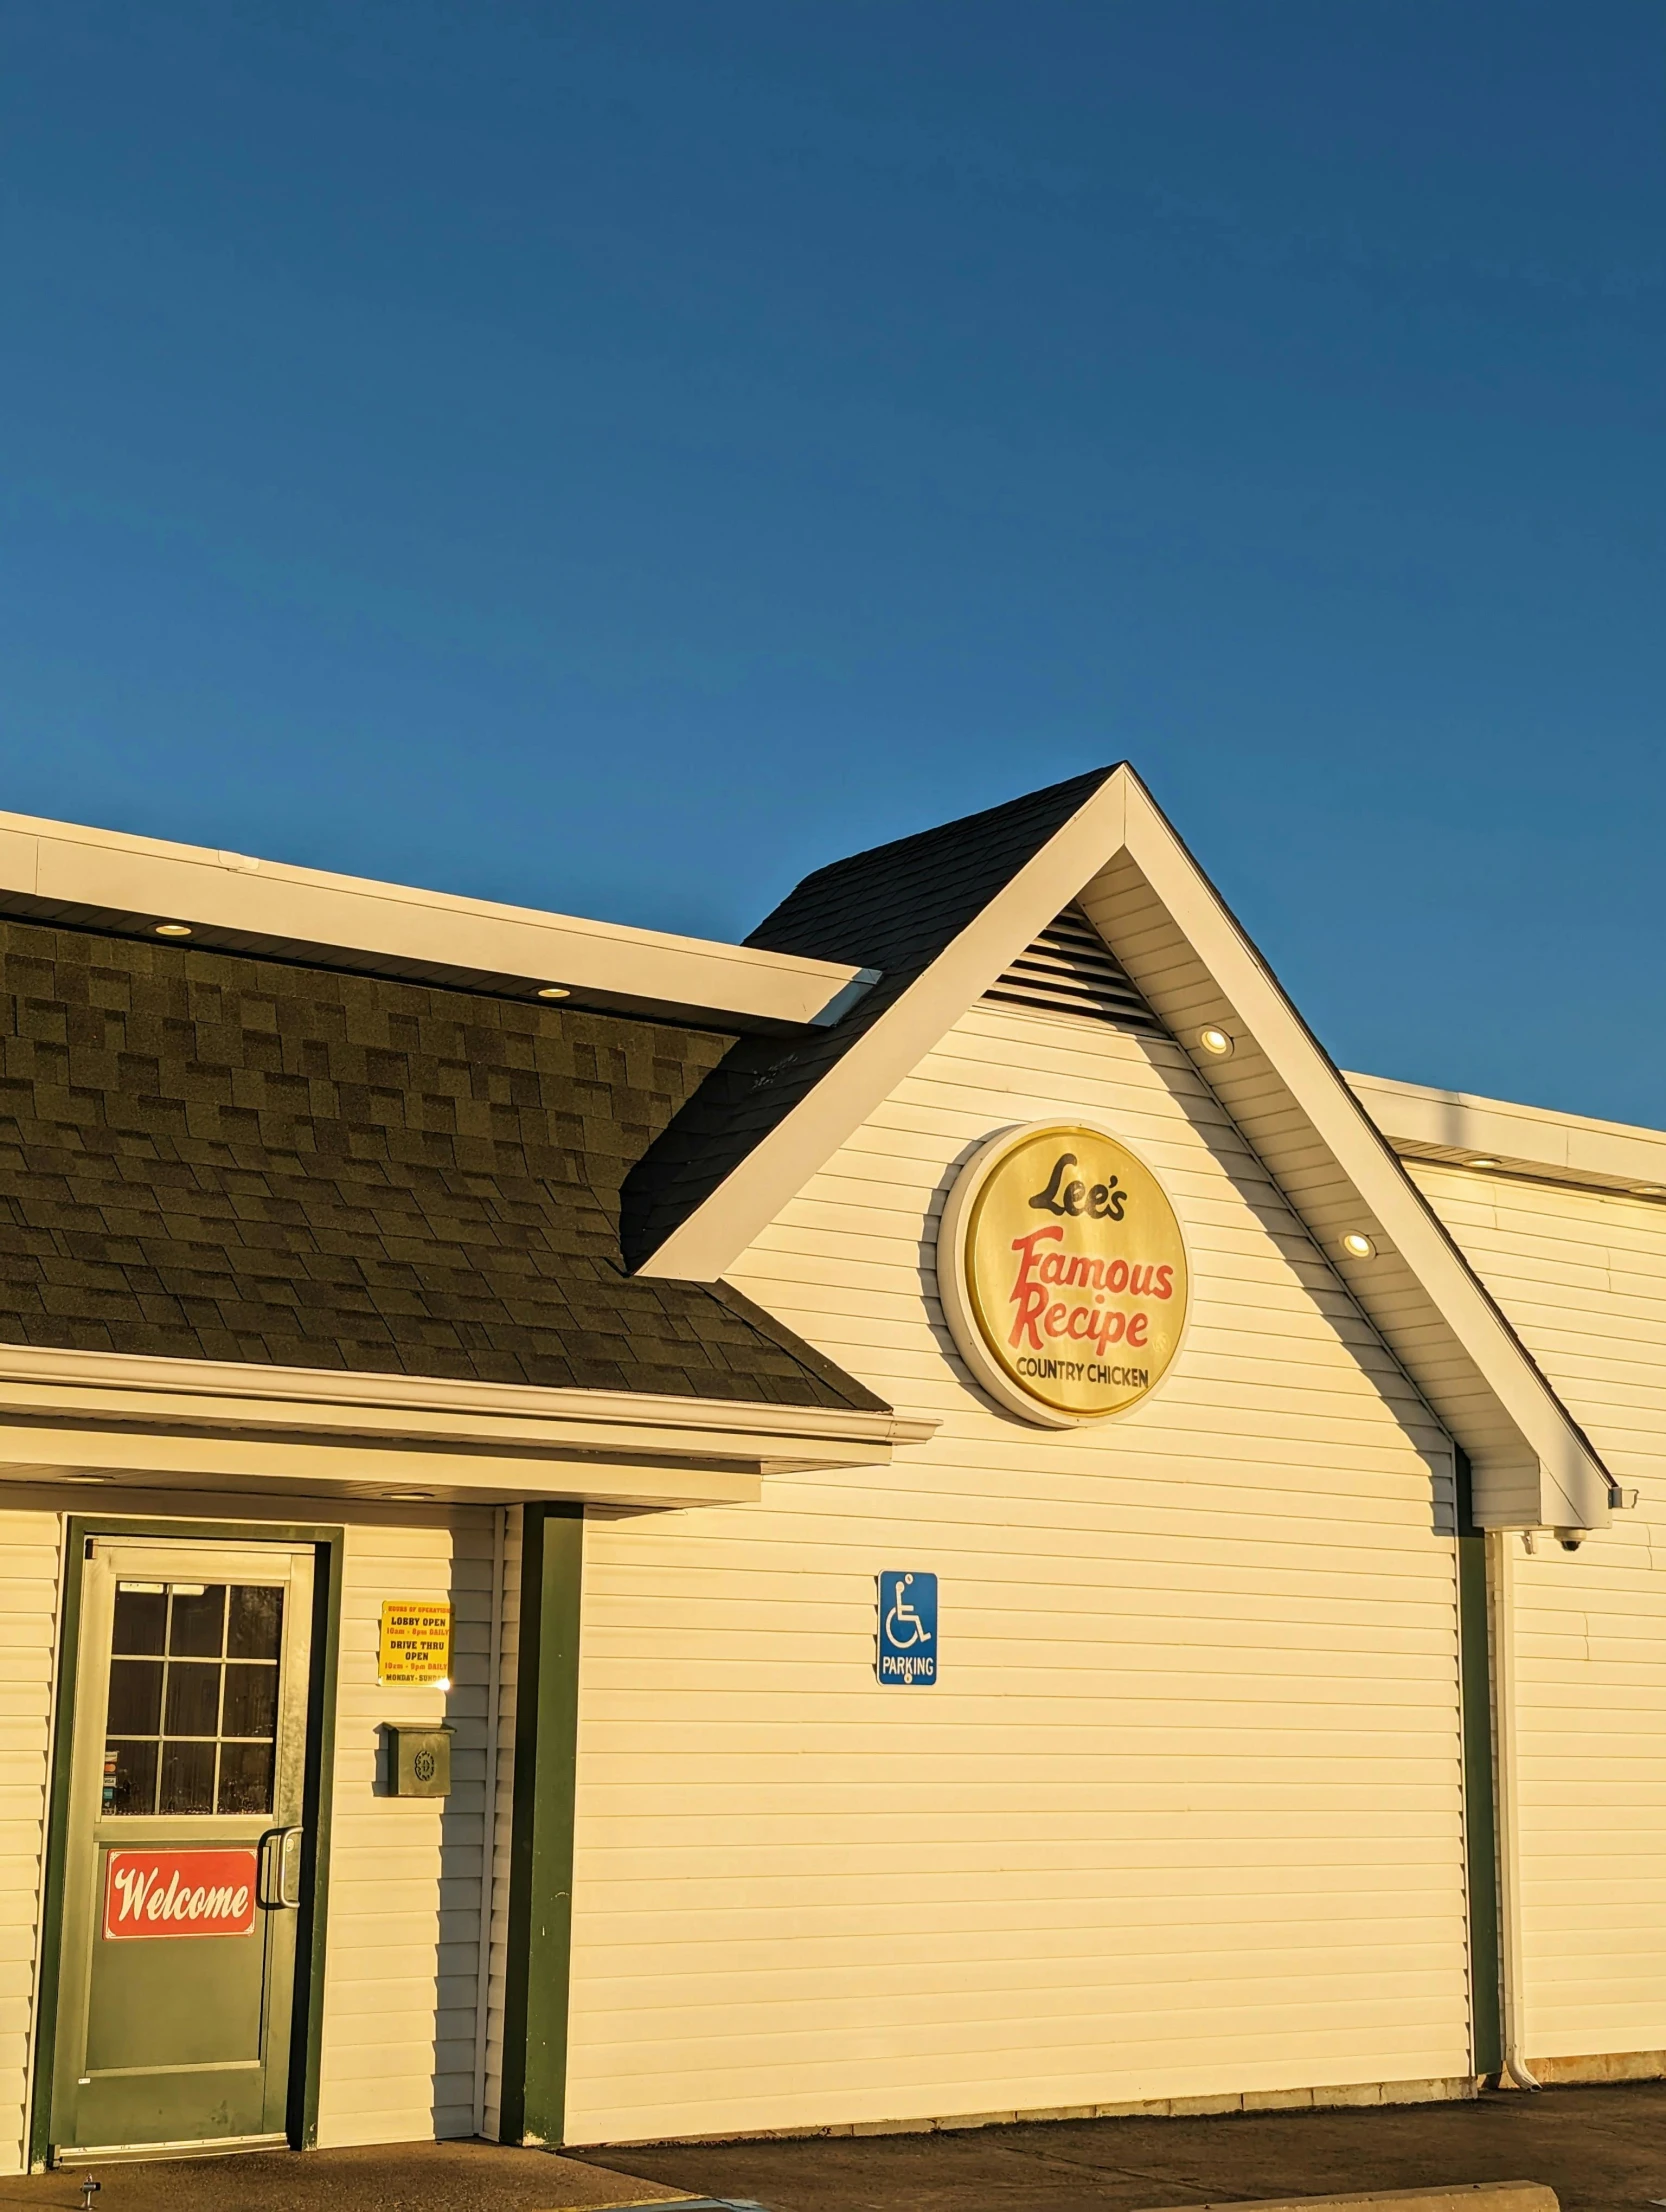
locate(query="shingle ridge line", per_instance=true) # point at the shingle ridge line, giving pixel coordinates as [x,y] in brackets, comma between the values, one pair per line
[1016,809]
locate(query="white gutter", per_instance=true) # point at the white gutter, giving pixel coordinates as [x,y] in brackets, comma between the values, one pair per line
[1501,1562]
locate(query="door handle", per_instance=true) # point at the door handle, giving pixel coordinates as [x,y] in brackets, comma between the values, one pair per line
[280,1869]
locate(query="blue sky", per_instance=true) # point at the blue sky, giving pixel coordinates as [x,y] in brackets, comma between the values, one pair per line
[620,457]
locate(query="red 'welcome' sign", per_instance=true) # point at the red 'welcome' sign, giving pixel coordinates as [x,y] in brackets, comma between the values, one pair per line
[179,1893]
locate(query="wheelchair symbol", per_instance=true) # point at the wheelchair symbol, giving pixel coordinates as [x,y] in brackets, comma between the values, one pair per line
[901,1617]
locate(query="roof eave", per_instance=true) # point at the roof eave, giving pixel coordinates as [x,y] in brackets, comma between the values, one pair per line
[135,1420]
[61,873]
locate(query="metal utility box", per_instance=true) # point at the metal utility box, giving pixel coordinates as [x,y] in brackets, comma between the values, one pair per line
[419,1761]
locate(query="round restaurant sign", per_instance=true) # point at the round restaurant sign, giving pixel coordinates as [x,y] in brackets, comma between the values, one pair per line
[1063,1273]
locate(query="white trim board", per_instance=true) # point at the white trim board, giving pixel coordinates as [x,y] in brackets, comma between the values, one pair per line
[1532,1465]
[102,878]
[1458,1128]
[134,1418]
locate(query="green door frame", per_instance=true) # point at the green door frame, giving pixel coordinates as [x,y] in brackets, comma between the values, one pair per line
[306,2043]
[533,2103]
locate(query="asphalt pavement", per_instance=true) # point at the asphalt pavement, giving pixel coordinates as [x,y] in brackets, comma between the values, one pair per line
[1601,2149]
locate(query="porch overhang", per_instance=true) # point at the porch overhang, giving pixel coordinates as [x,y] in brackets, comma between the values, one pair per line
[128,1421]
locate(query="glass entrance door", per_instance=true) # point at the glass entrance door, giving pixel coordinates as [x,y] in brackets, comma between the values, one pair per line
[185,1847]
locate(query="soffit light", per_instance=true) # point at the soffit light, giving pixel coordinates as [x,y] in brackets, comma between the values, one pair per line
[173,929]
[1483,1163]
[1218,1042]
[410,1497]
[1358,1245]
[556,990]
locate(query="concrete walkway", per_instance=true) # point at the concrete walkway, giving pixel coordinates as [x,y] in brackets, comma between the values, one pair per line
[405,2177]
[1601,2150]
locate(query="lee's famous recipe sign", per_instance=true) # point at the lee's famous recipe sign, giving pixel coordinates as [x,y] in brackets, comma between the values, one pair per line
[1063,1273]
[179,1893]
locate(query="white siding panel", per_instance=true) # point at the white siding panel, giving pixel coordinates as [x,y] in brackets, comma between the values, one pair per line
[30,1555]
[1182,1817]
[406,1874]
[1582,1276]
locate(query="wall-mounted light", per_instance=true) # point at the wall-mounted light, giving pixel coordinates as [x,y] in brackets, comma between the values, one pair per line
[1217,1043]
[1358,1245]
[173,929]
[556,990]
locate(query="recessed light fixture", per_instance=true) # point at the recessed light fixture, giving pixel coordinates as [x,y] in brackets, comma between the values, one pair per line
[1648,1190]
[1358,1245]
[1219,1042]
[410,1497]
[173,929]
[556,990]
[1483,1163]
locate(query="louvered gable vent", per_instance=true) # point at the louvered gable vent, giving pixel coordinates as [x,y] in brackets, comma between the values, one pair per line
[1071,970]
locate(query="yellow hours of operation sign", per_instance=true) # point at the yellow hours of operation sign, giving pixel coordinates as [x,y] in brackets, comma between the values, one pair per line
[1063,1273]
[416,1642]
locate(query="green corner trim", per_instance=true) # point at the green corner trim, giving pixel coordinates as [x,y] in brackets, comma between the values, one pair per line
[309,1979]
[307,2046]
[1480,1823]
[540,1921]
[77,1531]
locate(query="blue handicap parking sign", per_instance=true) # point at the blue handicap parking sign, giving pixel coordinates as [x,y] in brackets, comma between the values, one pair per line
[907,1628]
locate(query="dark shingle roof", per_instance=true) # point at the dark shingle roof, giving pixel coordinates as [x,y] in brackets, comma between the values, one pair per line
[894,908]
[210,1157]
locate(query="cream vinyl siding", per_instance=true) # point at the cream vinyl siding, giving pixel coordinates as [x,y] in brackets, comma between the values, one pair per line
[406,1874]
[31,1546]
[1583,1278]
[1182,1817]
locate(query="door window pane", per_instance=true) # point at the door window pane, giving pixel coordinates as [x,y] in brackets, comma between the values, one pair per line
[256,1621]
[187,1778]
[246,1777]
[135,1697]
[197,1626]
[141,1617]
[193,1698]
[130,1777]
[251,1704]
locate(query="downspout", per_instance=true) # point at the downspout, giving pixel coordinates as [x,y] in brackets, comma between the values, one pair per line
[1501,1546]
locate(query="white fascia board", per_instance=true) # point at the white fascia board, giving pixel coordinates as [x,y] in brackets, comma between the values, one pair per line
[702,1248]
[1532,1465]
[135,1417]
[1569,1147]
[111,1462]
[1167,925]
[58,868]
